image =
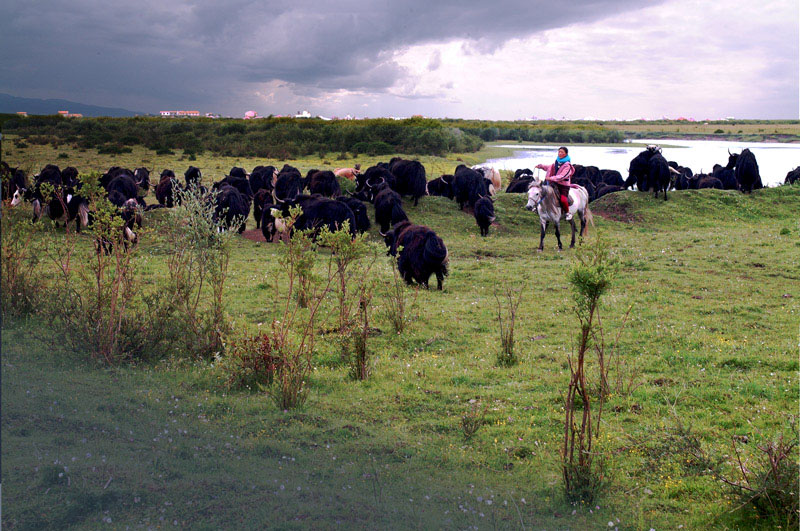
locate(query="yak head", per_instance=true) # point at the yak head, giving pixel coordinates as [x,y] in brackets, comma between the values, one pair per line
[732,159]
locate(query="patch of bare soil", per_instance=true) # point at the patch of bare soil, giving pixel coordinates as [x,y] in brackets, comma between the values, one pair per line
[611,208]
[254,235]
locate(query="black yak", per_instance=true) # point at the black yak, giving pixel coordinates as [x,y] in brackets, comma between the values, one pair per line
[746,172]
[484,214]
[409,178]
[422,253]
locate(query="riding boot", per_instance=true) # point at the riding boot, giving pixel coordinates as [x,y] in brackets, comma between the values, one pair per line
[565,202]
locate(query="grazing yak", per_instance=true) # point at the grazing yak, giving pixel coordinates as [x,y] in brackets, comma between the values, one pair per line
[367,183]
[142,178]
[231,207]
[14,180]
[519,184]
[792,176]
[469,186]
[441,186]
[422,253]
[238,182]
[726,174]
[192,176]
[359,212]
[288,184]
[261,198]
[605,189]
[121,189]
[114,171]
[650,171]
[236,171]
[709,181]
[610,177]
[388,209]
[684,179]
[55,202]
[746,171]
[409,178]
[323,183]
[484,214]
[164,188]
[317,211]
[69,176]
[263,178]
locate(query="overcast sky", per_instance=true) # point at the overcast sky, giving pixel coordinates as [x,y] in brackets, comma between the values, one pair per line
[496,60]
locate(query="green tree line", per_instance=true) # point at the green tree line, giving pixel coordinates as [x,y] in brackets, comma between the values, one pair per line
[290,138]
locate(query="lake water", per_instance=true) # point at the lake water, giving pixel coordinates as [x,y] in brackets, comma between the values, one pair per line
[775,160]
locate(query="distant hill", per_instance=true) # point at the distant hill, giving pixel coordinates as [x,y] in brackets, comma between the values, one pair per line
[12,104]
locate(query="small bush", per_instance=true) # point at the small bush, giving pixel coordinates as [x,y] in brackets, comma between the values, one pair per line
[718,131]
[507,305]
[63,156]
[360,356]
[113,149]
[164,151]
[249,363]
[768,490]
[472,419]
[396,306]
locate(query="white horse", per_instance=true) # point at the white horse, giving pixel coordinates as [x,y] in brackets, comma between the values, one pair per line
[545,199]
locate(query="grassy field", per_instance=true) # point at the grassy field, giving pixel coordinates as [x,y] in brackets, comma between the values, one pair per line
[710,352]
[781,130]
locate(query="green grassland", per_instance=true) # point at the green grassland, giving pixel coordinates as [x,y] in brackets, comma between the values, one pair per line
[709,352]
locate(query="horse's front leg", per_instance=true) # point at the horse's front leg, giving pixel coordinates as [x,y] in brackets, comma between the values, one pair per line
[572,224]
[558,236]
[541,239]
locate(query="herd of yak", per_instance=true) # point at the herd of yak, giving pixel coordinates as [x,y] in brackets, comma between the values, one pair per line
[272,193]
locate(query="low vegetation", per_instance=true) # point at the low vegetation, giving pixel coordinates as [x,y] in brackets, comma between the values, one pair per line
[272,426]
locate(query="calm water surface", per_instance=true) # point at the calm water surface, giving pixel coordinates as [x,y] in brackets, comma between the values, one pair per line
[774,159]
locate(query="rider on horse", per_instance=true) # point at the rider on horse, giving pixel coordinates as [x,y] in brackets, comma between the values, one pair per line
[559,174]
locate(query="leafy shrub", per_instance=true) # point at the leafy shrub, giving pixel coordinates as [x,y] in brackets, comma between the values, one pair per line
[583,475]
[372,148]
[20,283]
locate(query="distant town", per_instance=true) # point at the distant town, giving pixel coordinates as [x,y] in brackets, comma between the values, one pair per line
[253,115]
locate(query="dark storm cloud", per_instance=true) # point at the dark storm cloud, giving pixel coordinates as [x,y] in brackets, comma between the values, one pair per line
[160,53]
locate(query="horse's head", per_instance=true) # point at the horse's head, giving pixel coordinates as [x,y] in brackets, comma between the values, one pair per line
[534,194]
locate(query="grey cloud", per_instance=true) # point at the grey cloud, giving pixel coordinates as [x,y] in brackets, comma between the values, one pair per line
[200,52]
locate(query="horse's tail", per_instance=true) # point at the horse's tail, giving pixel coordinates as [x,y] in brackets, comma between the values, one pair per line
[587,214]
